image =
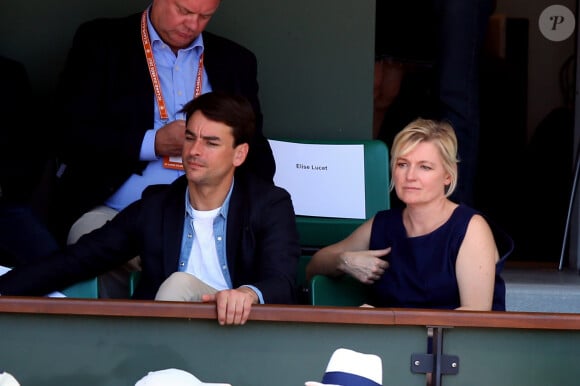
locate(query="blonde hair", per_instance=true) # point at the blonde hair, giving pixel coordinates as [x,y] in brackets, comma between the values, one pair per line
[441,134]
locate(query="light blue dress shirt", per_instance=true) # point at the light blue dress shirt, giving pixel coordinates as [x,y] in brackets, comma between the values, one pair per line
[177,75]
[219,232]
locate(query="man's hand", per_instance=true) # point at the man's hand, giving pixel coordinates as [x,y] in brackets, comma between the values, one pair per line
[169,139]
[233,306]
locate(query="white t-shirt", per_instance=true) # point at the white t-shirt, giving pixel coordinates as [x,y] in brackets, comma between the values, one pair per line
[203,259]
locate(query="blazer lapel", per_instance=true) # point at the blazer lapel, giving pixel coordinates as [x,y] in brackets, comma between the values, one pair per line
[235,227]
[173,218]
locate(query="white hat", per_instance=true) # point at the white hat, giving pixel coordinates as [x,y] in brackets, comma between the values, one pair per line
[351,368]
[6,379]
[172,377]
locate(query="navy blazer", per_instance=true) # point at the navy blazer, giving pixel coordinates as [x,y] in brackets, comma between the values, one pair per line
[106,104]
[262,244]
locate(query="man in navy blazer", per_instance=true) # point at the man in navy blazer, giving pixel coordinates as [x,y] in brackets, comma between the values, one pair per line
[107,101]
[252,217]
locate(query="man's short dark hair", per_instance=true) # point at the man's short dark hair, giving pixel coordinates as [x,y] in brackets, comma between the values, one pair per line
[231,109]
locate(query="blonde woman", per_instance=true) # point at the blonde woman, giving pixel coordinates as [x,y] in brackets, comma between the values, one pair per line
[433,252]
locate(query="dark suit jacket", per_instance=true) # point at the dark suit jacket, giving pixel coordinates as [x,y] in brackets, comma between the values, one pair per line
[107,96]
[262,244]
[23,151]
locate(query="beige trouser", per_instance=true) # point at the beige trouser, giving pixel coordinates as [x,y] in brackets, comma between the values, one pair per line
[116,283]
[183,287]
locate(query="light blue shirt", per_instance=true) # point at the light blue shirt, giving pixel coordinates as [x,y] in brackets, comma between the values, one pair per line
[219,232]
[177,75]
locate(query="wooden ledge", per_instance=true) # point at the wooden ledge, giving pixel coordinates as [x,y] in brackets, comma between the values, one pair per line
[301,314]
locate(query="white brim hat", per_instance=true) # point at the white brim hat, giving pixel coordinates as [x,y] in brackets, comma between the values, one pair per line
[6,379]
[351,368]
[173,377]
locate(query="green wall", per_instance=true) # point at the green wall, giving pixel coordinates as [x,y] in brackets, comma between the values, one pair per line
[315,56]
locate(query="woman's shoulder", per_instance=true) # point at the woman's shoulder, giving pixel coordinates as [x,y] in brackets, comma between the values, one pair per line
[463,215]
[471,217]
[465,210]
[480,225]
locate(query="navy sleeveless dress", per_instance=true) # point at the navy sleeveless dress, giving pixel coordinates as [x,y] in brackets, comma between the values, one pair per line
[422,269]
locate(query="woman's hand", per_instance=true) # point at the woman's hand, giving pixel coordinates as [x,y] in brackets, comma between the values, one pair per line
[365,266]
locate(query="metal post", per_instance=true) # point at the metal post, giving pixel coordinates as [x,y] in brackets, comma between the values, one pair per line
[570,206]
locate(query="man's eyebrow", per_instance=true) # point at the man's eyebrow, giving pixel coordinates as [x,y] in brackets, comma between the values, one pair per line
[205,137]
[211,137]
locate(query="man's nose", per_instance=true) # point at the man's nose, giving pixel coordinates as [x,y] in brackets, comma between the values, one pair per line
[192,22]
[196,147]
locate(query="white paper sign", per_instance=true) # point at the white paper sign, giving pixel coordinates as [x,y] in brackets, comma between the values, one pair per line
[323,180]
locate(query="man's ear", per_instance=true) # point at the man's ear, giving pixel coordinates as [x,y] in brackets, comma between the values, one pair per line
[240,153]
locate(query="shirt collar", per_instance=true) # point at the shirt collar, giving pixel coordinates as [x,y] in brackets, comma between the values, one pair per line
[223,211]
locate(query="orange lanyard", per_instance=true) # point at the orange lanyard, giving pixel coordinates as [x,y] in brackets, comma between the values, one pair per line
[153,70]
